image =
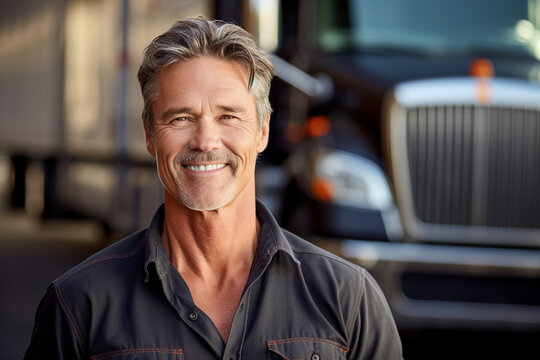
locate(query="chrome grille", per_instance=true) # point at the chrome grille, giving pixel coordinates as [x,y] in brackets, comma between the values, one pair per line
[475,165]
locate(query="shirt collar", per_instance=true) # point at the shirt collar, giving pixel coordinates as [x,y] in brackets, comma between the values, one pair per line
[271,237]
[271,240]
[156,260]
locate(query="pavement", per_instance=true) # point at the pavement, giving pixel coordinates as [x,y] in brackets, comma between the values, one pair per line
[33,253]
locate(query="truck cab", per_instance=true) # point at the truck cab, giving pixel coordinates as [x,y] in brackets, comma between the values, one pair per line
[421,159]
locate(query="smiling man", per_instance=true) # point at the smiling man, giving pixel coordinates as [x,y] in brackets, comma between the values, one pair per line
[213,276]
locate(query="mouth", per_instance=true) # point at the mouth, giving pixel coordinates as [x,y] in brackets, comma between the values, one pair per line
[209,167]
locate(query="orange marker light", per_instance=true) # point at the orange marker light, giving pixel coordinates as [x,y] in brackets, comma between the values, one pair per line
[322,189]
[482,68]
[317,126]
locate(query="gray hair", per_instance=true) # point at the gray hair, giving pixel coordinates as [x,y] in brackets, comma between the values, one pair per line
[196,37]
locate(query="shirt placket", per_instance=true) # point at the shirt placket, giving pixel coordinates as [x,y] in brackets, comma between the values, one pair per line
[234,345]
[237,335]
[202,325]
[193,317]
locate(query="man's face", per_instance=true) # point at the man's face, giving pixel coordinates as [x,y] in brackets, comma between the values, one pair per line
[206,137]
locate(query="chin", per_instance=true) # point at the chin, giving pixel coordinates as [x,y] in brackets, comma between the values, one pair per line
[204,204]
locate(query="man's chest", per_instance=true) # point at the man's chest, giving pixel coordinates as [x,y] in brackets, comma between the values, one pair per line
[267,323]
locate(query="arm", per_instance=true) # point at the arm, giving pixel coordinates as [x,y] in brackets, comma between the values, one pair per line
[53,336]
[374,332]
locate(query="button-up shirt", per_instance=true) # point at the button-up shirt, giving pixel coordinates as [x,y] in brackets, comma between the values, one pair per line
[129,302]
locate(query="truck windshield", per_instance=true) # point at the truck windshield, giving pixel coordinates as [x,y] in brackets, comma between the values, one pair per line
[493,27]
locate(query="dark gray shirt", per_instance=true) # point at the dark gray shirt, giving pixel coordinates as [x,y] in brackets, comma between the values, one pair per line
[129,302]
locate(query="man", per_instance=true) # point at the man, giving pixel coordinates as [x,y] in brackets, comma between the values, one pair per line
[213,276]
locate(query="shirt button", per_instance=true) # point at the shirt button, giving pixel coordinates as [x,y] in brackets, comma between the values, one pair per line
[192,315]
[315,357]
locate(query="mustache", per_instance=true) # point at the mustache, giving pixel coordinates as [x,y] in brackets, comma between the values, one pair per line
[220,156]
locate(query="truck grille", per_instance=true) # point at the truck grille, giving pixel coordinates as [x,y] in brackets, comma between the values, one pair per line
[474,165]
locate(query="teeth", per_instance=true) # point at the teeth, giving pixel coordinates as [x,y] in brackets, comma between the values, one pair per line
[205,167]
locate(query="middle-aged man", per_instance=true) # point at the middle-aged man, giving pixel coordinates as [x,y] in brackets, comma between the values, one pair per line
[213,276]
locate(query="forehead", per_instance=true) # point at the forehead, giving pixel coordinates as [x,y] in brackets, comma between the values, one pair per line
[203,76]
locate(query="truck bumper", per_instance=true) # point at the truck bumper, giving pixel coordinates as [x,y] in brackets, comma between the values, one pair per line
[444,286]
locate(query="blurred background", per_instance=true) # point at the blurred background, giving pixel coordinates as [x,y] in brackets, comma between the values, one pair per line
[405,137]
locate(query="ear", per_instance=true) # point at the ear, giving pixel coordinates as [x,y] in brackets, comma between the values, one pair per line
[262,136]
[149,142]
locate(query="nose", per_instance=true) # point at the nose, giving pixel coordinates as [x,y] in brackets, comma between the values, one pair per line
[205,136]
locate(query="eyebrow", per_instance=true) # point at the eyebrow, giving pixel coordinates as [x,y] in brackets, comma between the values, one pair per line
[231,108]
[187,110]
[173,111]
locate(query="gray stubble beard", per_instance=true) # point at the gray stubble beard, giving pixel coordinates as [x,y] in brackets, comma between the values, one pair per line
[183,193]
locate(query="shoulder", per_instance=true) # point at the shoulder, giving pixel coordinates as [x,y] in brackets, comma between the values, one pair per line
[305,253]
[311,255]
[350,290]
[337,285]
[333,274]
[329,277]
[75,299]
[106,267]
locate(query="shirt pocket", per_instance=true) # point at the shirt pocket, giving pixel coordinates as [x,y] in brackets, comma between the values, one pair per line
[142,354]
[305,349]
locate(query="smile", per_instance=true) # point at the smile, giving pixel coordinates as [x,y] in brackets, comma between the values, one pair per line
[204,167]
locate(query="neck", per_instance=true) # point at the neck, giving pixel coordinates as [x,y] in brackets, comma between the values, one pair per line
[213,251]
[211,244]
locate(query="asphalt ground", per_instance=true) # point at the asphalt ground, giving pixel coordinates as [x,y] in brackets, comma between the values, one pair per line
[34,252]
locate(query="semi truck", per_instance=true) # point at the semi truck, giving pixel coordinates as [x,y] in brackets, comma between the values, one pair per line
[423,163]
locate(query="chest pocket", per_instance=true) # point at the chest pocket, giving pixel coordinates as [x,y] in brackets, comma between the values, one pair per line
[142,354]
[305,349]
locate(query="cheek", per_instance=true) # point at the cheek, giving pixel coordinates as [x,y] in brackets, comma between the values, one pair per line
[243,146]
[167,148]
[169,143]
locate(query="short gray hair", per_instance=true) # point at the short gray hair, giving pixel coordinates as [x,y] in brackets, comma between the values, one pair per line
[196,37]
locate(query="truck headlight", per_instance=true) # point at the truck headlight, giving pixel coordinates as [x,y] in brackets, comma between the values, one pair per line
[347,179]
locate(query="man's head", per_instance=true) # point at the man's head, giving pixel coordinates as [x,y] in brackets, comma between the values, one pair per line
[197,37]
[206,112]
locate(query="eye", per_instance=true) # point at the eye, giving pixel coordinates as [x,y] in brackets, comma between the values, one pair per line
[179,119]
[228,117]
